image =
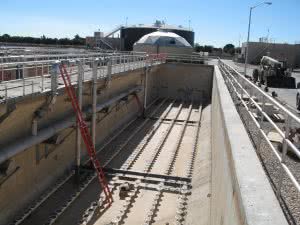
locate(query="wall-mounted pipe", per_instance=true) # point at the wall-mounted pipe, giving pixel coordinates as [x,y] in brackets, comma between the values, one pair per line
[94,102]
[145,89]
[34,127]
[22,144]
[78,135]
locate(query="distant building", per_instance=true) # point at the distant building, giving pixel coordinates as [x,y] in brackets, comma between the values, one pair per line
[128,35]
[287,52]
[100,41]
[163,42]
[90,42]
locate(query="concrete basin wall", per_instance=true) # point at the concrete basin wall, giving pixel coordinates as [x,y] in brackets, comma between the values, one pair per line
[182,81]
[42,164]
[241,192]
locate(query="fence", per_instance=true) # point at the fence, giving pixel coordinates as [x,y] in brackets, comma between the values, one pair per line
[256,104]
[39,75]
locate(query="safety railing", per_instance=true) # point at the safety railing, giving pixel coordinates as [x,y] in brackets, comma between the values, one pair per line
[37,76]
[52,56]
[186,58]
[261,107]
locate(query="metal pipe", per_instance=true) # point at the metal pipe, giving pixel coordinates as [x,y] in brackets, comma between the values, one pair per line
[145,90]
[42,76]
[94,102]
[78,135]
[247,47]
[248,36]
[43,134]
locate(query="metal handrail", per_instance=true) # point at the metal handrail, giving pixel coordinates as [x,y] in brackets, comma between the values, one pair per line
[106,67]
[280,106]
[65,57]
[239,87]
[39,56]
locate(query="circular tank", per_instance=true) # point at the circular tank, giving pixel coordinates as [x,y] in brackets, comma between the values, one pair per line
[132,34]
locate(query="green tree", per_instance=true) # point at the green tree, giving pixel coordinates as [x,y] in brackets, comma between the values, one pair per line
[198,48]
[229,48]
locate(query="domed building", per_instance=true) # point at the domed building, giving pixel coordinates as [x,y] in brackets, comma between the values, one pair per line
[163,42]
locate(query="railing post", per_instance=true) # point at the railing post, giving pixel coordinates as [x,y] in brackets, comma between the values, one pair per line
[32,87]
[109,69]
[112,65]
[2,73]
[35,66]
[120,63]
[23,81]
[23,70]
[102,71]
[124,63]
[284,152]
[6,92]
[42,79]
[82,65]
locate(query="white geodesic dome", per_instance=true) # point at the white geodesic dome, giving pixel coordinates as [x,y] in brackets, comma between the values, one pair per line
[163,38]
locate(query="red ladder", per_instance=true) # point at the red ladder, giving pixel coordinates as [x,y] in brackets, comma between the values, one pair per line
[85,134]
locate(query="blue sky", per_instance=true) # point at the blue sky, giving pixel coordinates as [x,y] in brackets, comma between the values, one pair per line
[215,22]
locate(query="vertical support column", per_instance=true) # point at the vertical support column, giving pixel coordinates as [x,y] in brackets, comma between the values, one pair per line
[23,71]
[124,62]
[54,77]
[120,64]
[36,69]
[108,77]
[78,135]
[145,89]
[2,72]
[42,76]
[112,63]
[94,101]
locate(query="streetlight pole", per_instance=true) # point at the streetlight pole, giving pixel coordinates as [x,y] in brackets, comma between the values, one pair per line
[248,37]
